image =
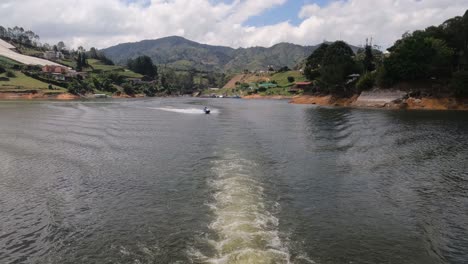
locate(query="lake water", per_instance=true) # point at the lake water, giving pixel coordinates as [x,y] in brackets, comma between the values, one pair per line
[158,181]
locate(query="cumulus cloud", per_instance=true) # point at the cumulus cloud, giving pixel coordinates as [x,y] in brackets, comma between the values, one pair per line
[103,23]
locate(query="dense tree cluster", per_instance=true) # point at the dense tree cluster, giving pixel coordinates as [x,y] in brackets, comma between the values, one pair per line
[81,61]
[330,65]
[19,35]
[143,65]
[438,53]
[96,54]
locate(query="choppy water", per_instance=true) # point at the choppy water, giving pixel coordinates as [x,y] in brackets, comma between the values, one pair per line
[158,181]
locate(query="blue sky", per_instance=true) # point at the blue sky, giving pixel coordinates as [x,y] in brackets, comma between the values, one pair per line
[289,11]
[286,12]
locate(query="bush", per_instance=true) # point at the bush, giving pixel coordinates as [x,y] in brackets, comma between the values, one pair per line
[244,85]
[459,83]
[382,78]
[2,70]
[78,87]
[128,89]
[46,80]
[312,75]
[4,79]
[10,74]
[291,79]
[366,82]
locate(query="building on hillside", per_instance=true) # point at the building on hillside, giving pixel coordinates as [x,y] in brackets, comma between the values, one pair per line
[301,87]
[53,55]
[352,78]
[58,76]
[75,74]
[267,85]
[54,69]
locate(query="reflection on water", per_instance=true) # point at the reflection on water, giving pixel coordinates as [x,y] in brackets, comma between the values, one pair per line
[158,181]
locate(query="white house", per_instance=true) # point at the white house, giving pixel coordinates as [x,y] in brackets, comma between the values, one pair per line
[52,55]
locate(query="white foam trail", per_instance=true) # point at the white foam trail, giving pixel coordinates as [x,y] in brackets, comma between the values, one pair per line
[246,231]
[192,111]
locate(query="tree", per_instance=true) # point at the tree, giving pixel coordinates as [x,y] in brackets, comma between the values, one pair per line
[417,57]
[93,54]
[459,83]
[337,65]
[366,82]
[291,79]
[80,61]
[143,65]
[84,61]
[314,61]
[61,46]
[79,87]
[10,74]
[128,89]
[3,32]
[368,62]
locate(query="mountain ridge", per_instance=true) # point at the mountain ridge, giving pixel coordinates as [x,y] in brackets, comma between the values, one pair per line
[183,54]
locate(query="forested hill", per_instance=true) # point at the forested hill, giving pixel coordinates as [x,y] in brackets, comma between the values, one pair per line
[180,53]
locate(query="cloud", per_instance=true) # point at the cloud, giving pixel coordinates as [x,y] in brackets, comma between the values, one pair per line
[108,22]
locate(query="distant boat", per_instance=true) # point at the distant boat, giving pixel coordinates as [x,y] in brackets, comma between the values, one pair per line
[101,96]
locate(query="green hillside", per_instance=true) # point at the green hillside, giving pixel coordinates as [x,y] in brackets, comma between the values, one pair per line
[182,54]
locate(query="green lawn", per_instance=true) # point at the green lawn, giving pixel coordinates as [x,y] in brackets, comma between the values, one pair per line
[22,83]
[7,63]
[282,78]
[284,91]
[67,62]
[98,65]
[31,52]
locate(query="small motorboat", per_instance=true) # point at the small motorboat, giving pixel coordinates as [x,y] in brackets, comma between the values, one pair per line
[206,110]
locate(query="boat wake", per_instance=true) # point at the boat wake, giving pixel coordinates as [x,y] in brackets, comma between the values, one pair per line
[191,111]
[245,231]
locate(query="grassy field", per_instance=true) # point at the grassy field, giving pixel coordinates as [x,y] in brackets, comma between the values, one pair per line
[253,80]
[30,52]
[67,62]
[281,78]
[284,91]
[24,83]
[7,63]
[98,65]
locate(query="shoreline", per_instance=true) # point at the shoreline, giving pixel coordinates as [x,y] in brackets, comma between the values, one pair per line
[410,103]
[392,100]
[269,97]
[37,95]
